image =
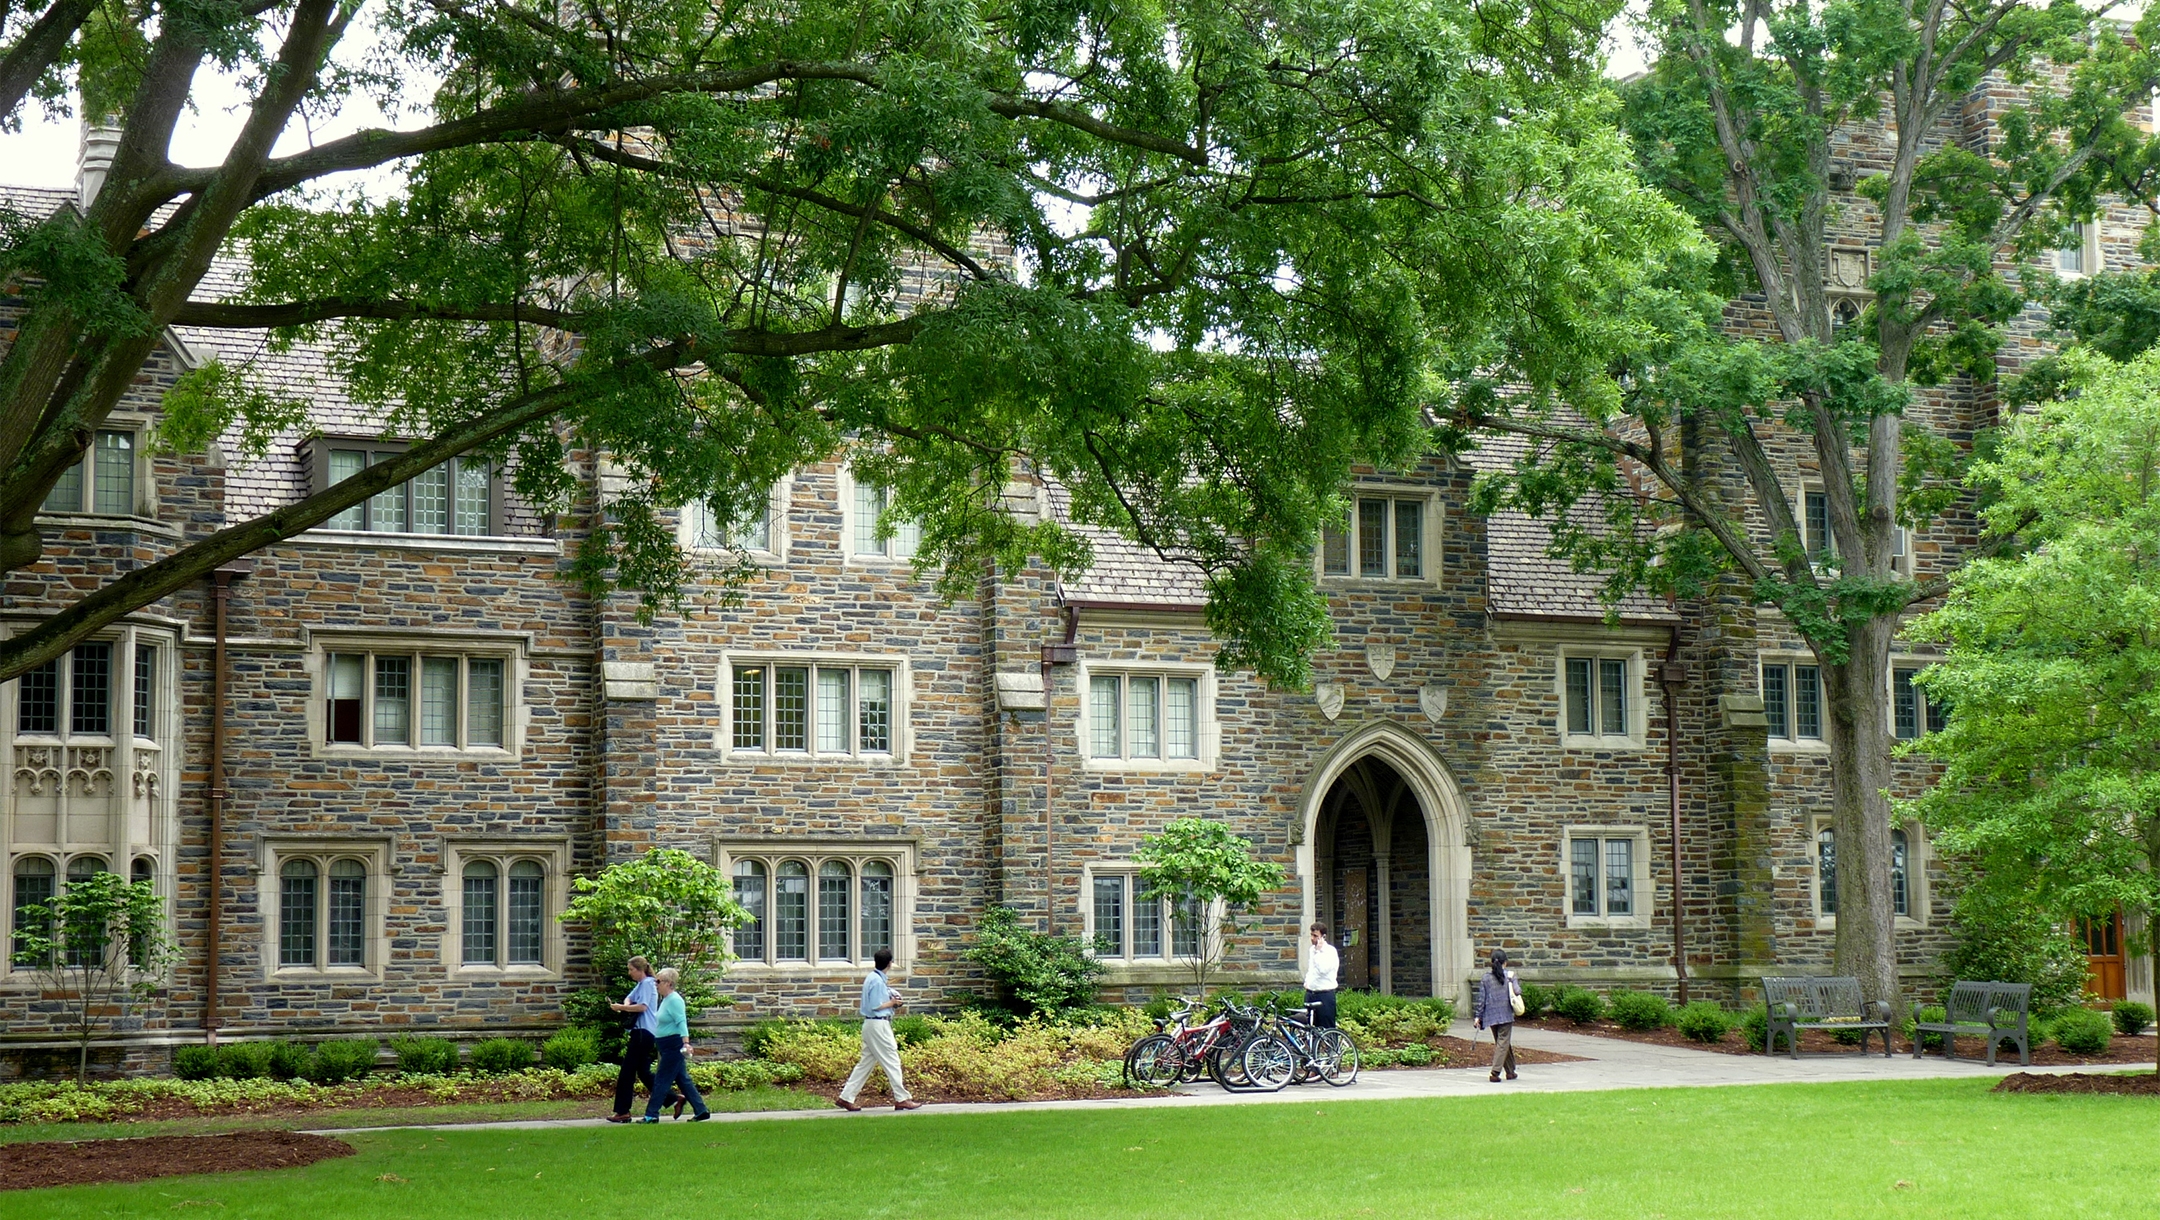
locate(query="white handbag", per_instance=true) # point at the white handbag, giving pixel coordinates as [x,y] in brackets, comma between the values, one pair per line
[1514,995]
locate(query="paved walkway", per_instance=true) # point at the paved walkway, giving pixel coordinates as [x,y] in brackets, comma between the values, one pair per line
[1608,1063]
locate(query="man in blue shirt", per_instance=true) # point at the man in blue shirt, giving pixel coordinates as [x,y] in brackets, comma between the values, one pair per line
[637,1060]
[879,1048]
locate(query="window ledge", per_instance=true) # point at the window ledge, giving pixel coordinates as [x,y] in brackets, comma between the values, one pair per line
[505,974]
[1610,923]
[826,970]
[108,524]
[414,753]
[1581,744]
[309,976]
[1148,766]
[1903,923]
[1788,745]
[471,544]
[754,758]
[1381,582]
[760,558]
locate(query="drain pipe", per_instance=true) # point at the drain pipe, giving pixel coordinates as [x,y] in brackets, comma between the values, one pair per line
[1062,653]
[220,596]
[1671,675]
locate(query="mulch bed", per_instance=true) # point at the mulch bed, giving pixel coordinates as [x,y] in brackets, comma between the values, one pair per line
[28,1166]
[1464,1054]
[2144,1084]
[1821,1042]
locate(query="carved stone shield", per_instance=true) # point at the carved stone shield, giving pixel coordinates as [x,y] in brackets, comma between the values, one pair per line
[1382,659]
[1329,695]
[1432,699]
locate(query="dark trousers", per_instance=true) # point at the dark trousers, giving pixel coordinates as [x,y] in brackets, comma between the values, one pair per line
[636,1069]
[1322,1004]
[673,1076]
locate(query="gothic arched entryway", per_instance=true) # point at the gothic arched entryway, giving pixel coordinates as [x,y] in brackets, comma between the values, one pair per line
[1384,863]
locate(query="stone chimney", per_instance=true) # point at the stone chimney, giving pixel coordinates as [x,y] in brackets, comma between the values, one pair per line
[99,145]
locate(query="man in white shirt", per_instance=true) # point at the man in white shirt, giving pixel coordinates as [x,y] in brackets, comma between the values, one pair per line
[1320,968]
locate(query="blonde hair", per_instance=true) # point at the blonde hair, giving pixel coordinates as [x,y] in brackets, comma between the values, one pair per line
[668,976]
[640,965]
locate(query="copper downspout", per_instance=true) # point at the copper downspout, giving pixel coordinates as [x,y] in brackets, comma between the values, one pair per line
[220,596]
[1053,654]
[1670,675]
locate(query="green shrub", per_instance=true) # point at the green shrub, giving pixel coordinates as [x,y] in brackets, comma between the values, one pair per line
[1579,1004]
[2082,1031]
[571,1048]
[1417,1054]
[2007,940]
[344,1059]
[195,1062]
[420,1056]
[2132,1018]
[1704,1021]
[501,1056]
[244,1061]
[1537,1000]
[911,1030]
[286,1059]
[1640,1010]
[1035,974]
[1755,1027]
[1392,1020]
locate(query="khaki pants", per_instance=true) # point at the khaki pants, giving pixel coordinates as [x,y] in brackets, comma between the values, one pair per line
[878,1050]
[1503,1048]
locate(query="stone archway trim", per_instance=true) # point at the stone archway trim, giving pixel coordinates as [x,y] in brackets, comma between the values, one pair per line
[1447,820]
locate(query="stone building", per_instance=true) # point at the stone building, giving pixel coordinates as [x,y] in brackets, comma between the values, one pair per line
[430,734]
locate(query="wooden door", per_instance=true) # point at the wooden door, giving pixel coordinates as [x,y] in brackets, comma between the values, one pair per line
[1356,901]
[2103,956]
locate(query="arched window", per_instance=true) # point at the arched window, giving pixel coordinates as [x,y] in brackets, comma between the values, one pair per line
[36,885]
[835,903]
[527,910]
[1900,886]
[477,930]
[750,892]
[86,947]
[1826,871]
[142,869]
[877,906]
[791,912]
[297,907]
[348,913]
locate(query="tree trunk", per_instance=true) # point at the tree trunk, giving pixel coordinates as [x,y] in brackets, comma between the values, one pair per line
[1858,695]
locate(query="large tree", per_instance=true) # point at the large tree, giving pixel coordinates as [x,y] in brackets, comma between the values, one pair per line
[2051,780]
[1692,438]
[1192,260]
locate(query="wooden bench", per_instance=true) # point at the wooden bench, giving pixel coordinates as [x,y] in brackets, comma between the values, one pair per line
[1821,1003]
[1994,1011]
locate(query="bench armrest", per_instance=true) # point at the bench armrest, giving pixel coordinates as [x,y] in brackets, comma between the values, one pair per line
[1877,1009]
[1785,1010]
[2005,1018]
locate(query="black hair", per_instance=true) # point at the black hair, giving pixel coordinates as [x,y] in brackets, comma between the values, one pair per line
[1499,959]
[883,958]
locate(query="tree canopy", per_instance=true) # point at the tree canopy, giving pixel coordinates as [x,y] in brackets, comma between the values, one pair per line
[2051,777]
[1797,134]
[1191,261]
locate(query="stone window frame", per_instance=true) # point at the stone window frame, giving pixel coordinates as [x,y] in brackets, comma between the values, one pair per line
[315,461]
[1208,728]
[13,975]
[1790,659]
[375,854]
[1431,550]
[903,700]
[851,527]
[1633,686]
[512,648]
[1169,957]
[813,851]
[144,506]
[779,499]
[552,853]
[1917,853]
[2091,254]
[1927,716]
[1901,557]
[1645,914]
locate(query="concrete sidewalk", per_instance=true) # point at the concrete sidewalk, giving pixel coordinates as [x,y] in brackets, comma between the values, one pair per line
[1608,1064]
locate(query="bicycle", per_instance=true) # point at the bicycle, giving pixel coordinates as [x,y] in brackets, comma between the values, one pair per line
[1292,1049]
[1178,1052]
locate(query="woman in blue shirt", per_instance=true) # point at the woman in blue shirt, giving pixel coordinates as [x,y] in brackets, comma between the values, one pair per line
[671,1031]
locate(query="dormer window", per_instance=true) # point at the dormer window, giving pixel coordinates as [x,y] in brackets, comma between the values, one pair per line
[461,496]
[102,483]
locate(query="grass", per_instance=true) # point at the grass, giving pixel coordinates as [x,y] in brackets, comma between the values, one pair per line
[724,1102]
[1918,1148]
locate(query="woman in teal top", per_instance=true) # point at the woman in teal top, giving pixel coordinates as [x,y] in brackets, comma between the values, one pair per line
[671,1032]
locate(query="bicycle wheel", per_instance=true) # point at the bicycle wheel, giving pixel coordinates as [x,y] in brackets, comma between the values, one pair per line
[1339,1057]
[1153,1061]
[1269,1062]
[1226,1063]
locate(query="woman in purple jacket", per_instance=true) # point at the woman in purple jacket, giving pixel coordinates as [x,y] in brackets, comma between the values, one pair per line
[1495,1011]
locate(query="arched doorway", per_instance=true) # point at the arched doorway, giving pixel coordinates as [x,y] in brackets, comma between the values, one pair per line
[1383,860]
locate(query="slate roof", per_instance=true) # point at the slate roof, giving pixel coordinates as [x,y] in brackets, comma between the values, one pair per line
[1125,571]
[1522,580]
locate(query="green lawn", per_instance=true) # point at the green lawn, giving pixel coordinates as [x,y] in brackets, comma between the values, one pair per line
[1931,1148]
